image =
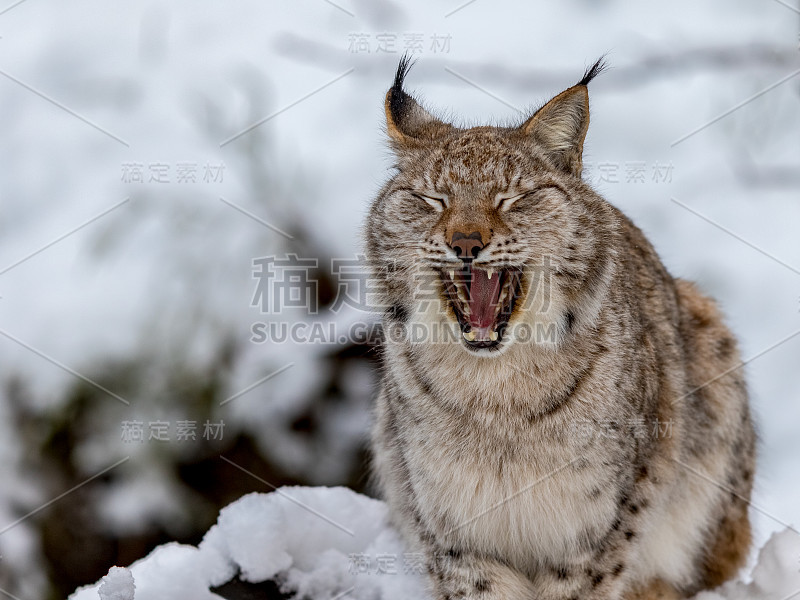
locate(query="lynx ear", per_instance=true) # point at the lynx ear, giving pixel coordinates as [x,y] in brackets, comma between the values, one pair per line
[407,123]
[560,126]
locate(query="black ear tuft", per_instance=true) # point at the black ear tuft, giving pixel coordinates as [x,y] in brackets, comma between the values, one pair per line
[594,71]
[402,70]
[407,123]
[397,97]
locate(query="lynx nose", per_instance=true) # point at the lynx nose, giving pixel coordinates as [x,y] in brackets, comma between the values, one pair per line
[466,246]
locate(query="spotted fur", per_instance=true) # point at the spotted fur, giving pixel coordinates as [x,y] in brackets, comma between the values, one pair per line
[610,454]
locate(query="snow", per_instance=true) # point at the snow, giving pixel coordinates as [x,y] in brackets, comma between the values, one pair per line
[326,543]
[117,585]
[319,542]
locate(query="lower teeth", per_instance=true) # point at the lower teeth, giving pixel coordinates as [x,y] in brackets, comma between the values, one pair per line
[470,336]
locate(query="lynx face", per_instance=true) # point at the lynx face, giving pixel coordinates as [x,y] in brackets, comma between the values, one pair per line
[486,226]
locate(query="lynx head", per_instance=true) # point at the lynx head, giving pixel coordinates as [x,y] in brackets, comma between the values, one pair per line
[484,229]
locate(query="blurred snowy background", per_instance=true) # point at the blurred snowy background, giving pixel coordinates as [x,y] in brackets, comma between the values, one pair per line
[151,151]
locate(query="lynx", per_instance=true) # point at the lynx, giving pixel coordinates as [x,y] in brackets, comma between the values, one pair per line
[573,421]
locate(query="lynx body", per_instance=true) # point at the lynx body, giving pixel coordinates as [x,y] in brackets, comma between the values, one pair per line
[572,422]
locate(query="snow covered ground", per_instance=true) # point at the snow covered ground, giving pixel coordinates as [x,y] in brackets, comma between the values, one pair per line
[694,135]
[331,543]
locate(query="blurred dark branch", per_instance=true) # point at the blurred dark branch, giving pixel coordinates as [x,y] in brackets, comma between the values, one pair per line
[764,176]
[655,66]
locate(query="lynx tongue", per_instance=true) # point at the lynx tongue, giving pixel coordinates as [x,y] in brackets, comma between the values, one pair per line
[483,295]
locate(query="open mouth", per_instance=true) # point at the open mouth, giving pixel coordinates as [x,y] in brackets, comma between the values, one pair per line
[482,300]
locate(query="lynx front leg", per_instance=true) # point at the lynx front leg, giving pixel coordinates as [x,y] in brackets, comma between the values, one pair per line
[655,590]
[589,590]
[470,577]
[604,573]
